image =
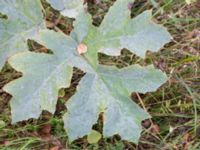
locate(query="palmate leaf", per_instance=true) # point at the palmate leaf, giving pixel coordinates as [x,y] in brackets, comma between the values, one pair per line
[107,91]
[23,22]
[104,89]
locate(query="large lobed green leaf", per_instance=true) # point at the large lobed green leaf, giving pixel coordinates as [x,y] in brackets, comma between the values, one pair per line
[43,76]
[22,22]
[104,89]
[140,34]
[108,91]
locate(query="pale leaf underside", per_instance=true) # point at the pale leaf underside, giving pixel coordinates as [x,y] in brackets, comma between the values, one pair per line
[23,22]
[43,76]
[108,91]
[138,35]
[104,88]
